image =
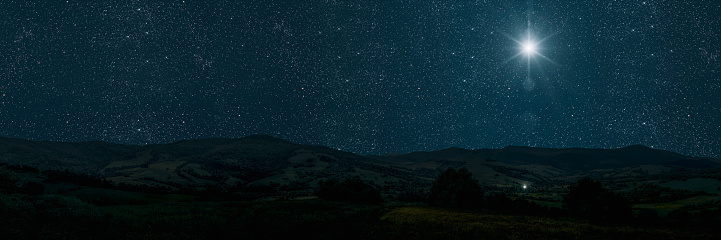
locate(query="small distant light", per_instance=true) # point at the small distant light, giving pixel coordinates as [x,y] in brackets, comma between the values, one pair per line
[524,186]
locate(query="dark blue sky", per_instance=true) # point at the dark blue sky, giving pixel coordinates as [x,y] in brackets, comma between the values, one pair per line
[365,77]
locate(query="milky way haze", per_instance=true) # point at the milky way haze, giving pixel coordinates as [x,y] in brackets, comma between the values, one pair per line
[363,76]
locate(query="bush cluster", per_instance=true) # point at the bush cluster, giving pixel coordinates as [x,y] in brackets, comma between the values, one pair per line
[589,199]
[349,190]
[456,189]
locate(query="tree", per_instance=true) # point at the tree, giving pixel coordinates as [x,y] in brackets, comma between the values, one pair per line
[350,190]
[588,199]
[456,189]
[8,180]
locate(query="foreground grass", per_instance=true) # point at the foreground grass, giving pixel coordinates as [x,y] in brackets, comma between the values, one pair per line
[67,217]
[414,222]
[316,219]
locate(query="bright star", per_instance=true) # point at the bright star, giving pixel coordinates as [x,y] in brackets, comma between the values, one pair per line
[529,47]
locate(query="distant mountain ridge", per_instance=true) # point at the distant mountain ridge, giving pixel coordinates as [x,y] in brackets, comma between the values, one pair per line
[567,159]
[231,164]
[266,161]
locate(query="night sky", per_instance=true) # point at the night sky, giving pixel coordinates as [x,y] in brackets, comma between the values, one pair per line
[369,77]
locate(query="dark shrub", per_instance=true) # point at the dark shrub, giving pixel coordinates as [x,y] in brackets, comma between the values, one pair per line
[8,180]
[456,189]
[350,190]
[588,199]
[31,188]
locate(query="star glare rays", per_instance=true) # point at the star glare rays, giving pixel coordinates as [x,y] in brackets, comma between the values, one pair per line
[530,47]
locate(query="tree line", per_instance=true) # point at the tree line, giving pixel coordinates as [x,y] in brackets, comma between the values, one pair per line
[456,188]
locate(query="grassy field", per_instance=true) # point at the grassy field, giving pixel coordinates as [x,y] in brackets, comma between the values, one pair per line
[321,219]
[72,211]
[663,209]
[415,222]
[709,185]
[312,218]
[78,214]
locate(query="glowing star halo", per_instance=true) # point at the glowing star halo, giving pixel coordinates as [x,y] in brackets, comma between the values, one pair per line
[529,47]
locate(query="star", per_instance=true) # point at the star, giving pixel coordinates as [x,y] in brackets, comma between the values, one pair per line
[529,47]
[190,65]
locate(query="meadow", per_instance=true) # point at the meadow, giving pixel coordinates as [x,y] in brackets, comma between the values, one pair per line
[66,216]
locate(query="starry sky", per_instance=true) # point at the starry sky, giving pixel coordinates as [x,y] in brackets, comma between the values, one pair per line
[369,77]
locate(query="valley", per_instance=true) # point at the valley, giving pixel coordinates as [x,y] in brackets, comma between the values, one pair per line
[198,180]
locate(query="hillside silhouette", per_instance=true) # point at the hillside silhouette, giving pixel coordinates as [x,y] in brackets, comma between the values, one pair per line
[265,161]
[260,186]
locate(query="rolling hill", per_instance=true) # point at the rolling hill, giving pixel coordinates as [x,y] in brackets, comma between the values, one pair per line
[264,162]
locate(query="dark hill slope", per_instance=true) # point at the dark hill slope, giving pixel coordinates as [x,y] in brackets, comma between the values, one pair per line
[572,159]
[85,157]
[259,161]
[253,161]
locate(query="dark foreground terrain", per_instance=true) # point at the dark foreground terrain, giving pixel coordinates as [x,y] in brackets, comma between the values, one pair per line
[152,216]
[182,217]
[265,188]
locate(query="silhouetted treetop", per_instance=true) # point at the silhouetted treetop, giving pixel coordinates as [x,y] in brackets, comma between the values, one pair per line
[350,190]
[589,199]
[456,189]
